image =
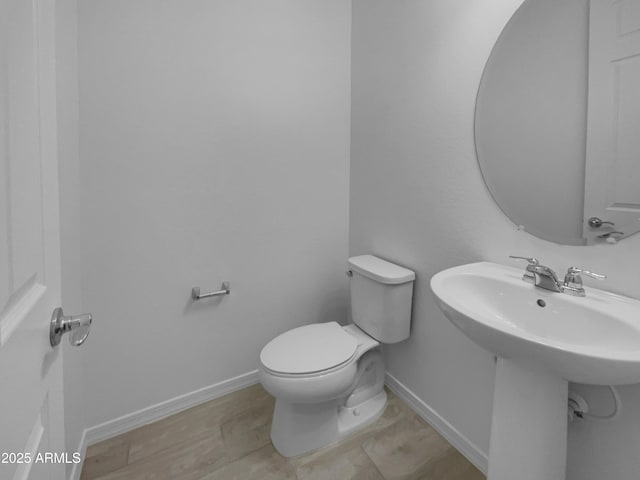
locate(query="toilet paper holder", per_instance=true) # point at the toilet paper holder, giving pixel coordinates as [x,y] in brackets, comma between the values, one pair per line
[196,295]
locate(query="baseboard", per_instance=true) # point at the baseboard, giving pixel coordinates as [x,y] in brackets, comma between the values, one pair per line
[444,428]
[172,406]
[128,422]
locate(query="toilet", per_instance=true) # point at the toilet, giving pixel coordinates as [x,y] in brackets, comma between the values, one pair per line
[328,379]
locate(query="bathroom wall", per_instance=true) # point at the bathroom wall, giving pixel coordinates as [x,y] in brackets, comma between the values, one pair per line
[70,226]
[214,145]
[417,198]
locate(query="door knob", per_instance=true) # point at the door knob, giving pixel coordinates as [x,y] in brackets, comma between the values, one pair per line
[595,222]
[79,325]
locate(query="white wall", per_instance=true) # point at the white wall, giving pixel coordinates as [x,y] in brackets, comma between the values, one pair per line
[417,198]
[69,175]
[214,139]
[214,146]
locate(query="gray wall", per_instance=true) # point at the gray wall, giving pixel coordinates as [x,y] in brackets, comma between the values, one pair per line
[418,198]
[180,117]
[70,225]
[214,138]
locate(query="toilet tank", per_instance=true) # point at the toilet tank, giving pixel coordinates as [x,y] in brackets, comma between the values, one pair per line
[381,297]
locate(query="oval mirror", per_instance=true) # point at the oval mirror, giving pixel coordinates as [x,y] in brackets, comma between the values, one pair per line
[558,120]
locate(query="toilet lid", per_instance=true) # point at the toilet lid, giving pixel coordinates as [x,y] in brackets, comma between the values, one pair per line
[308,349]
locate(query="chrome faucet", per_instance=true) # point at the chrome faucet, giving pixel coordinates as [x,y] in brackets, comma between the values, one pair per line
[544,277]
[540,275]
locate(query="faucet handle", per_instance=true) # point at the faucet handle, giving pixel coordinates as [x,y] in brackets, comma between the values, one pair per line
[577,271]
[573,280]
[528,276]
[531,260]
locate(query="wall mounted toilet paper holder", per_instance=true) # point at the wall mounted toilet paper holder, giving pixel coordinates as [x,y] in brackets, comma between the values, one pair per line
[195,292]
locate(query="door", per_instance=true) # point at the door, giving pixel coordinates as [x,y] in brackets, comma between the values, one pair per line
[31,410]
[612,184]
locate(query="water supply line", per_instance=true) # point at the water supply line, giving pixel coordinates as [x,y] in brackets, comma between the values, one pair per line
[578,407]
[617,406]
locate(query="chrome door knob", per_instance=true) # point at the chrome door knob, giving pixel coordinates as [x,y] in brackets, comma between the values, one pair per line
[79,325]
[595,222]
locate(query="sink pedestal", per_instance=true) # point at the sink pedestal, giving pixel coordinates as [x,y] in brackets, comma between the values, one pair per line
[529,423]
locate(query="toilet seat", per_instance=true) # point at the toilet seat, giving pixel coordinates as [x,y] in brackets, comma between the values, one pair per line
[310,349]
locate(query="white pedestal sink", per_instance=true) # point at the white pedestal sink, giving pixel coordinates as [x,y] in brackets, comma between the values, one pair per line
[543,340]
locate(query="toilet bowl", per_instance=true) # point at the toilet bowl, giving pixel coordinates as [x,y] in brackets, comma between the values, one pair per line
[328,379]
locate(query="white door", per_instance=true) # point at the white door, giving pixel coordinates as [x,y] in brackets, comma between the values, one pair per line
[612,184]
[31,410]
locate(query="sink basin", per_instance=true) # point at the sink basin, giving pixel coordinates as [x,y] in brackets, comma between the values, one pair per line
[593,339]
[542,340]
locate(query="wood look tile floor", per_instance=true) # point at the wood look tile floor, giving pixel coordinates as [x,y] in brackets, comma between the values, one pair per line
[228,439]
